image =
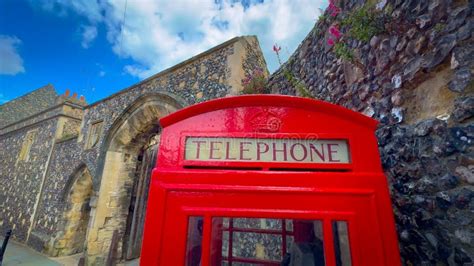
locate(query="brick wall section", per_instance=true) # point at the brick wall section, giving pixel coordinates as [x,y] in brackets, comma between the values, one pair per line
[418,83]
[27,105]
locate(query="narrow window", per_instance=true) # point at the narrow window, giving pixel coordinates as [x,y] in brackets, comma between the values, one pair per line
[26,146]
[94,134]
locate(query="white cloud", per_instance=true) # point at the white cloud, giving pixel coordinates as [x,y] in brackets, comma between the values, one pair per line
[159,34]
[89,33]
[101,73]
[11,62]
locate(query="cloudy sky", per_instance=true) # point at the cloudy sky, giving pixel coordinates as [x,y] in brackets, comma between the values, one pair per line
[97,47]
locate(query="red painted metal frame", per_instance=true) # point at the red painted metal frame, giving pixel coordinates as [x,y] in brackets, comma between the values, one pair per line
[356,192]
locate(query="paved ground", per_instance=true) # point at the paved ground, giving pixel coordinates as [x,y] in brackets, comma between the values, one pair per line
[19,254]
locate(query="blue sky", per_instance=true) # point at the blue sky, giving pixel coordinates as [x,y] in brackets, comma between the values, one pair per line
[88,46]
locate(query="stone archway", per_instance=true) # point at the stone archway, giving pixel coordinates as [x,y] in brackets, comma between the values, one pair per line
[71,240]
[123,145]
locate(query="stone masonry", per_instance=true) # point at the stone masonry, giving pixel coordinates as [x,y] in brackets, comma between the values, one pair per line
[415,77]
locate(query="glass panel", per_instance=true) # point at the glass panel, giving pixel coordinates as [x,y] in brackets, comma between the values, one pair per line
[194,241]
[225,244]
[289,242]
[307,248]
[256,245]
[259,241]
[274,224]
[225,222]
[289,225]
[341,243]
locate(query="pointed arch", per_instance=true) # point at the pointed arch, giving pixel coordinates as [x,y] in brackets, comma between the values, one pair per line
[76,215]
[117,167]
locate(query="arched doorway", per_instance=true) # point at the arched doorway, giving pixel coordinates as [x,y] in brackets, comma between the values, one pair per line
[76,215]
[136,218]
[127,157]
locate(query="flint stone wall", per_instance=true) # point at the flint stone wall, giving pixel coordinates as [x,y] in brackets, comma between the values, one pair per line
[417,81]
[21,180]
[29,104]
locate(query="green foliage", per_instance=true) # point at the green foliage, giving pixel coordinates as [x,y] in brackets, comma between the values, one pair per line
[255,83]
[439,27]
[342,51]
[322,17]
[363,23]
[388,10]
[299,86]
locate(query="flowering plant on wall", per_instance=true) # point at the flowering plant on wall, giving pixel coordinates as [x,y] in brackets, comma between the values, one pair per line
[360,24]
[296,83]
[255,82]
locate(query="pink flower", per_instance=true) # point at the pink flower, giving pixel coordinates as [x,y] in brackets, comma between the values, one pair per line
[330,42]
[276,48]
[334,10]
[334,30]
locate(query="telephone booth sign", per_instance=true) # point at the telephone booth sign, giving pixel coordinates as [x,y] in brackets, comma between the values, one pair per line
[268,180]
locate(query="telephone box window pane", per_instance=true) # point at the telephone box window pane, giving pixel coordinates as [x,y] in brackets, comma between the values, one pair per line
[257,245]
[225,222]
[225,244]
[260,223]
[289,242]
[265,241]
[341,243]
[194,241]
[308,245]
[289,225]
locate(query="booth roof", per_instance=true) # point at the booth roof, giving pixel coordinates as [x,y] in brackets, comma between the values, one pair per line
[268,100]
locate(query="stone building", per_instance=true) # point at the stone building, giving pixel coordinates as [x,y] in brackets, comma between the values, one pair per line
[72,173]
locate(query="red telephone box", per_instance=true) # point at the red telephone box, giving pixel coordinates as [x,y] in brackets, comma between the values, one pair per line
[268,180]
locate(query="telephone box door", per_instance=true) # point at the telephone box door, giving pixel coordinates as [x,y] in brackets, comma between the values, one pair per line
[334,226]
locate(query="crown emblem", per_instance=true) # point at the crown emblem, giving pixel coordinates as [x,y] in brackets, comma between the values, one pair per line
[266,121]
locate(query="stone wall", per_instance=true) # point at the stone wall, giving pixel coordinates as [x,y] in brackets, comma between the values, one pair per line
[415,77]
[21,179]
[26,149]
[29,104]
